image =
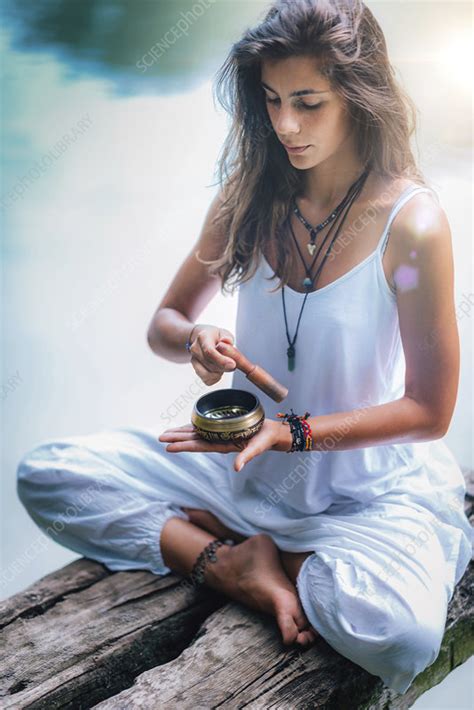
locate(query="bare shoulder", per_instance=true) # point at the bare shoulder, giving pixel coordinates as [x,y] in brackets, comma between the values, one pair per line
[421,224]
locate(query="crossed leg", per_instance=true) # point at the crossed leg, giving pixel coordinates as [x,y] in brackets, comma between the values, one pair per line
[254,571]
[290,561]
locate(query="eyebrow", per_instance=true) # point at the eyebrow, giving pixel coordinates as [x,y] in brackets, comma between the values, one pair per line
[302,92]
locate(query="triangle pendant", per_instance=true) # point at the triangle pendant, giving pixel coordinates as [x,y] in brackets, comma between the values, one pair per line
[311,248]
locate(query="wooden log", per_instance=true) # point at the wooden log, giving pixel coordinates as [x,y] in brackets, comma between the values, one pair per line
[238,661]
[85,637]
[77,644]
[48,591]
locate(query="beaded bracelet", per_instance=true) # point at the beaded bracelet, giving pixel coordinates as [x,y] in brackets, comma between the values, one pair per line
[208,554]
[188,342]
[300,430]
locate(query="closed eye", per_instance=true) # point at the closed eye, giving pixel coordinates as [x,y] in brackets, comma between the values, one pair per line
[311,107]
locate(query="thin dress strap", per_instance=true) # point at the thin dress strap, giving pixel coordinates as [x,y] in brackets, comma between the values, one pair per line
[400,201]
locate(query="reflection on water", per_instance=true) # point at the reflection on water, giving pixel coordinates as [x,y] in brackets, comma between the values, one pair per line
[139,45]
[108,173]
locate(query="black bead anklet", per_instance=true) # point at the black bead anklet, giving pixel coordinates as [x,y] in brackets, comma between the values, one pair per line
[208,554]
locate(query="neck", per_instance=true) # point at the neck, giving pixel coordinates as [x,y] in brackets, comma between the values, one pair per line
[327,183]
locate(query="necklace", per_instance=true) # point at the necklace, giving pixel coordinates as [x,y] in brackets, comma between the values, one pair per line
[307,282]
[314,231]
[352,193]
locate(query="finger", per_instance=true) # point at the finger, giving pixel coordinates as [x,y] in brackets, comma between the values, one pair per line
[251,450]
[183,427]
[229,351]
[226,336]
[179,436]
[212,358]
[199,445]
[186,429]
[208,377]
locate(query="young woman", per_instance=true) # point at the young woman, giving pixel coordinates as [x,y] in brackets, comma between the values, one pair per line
[342,258]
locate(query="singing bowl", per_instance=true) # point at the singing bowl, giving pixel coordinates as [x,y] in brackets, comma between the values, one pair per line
[227,415]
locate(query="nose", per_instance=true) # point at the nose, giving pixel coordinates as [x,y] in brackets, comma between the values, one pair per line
[287,122]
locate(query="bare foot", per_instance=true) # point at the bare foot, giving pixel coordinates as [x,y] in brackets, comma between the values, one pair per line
[208,521]
[251,573]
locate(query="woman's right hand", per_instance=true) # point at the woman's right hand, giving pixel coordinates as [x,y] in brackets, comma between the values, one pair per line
[208,363]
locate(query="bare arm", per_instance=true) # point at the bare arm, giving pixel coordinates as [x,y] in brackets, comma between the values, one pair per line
[430,342]
[431,346]
[188,294]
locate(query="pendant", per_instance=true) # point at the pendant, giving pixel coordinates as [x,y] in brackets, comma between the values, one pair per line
[307,283]
[291,358]
[311,248]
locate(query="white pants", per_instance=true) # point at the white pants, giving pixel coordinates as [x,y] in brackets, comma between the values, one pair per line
[376,586]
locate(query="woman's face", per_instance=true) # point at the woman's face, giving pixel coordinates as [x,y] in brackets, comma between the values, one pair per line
[316,118]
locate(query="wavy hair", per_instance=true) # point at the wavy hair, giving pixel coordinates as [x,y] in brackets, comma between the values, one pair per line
[256,178]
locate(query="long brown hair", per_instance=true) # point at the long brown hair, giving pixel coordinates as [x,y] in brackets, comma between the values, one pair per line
[256,177]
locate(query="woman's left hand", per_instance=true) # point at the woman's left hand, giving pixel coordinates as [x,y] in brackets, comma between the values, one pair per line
[273,436]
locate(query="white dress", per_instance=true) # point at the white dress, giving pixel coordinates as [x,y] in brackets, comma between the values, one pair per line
[385,524]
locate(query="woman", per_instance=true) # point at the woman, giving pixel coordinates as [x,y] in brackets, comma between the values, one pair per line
[361,537]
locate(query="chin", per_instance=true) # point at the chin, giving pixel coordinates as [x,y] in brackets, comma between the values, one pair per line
[303,161]
[299,158]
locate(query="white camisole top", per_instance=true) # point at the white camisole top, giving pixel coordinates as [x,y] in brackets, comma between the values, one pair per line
[348,355]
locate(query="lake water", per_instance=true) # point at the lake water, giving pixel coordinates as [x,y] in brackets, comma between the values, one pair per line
[108,173]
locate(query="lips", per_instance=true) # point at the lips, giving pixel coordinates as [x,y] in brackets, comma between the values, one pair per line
[295,149]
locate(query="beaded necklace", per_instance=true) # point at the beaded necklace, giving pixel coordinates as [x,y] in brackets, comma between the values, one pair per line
[352,193]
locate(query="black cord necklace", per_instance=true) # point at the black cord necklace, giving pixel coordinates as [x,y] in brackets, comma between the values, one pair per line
[309,280]
[352,193]
[314,231]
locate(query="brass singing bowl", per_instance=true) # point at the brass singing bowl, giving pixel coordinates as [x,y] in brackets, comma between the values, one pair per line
[227,416]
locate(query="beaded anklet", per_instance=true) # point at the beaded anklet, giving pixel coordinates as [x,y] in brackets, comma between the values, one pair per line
[208,554]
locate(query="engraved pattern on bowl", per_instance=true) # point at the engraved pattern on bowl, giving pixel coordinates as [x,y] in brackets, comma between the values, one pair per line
[228,415]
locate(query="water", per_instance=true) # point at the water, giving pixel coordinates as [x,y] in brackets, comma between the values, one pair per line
[108,173]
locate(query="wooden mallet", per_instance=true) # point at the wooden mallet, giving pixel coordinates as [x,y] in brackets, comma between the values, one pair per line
[256,374]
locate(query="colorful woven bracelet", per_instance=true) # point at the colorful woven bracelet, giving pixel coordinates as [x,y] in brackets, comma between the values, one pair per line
[300,430]
[307,434]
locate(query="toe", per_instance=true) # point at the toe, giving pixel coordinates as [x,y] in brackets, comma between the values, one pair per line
[288,628]
[306,637]
[301,619]
[313,632]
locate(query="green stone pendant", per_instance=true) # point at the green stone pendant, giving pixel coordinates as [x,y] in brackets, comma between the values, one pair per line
[291,357]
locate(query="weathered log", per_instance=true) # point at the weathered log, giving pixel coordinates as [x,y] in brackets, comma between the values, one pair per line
[237,661]
[72,645]
[85,637]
